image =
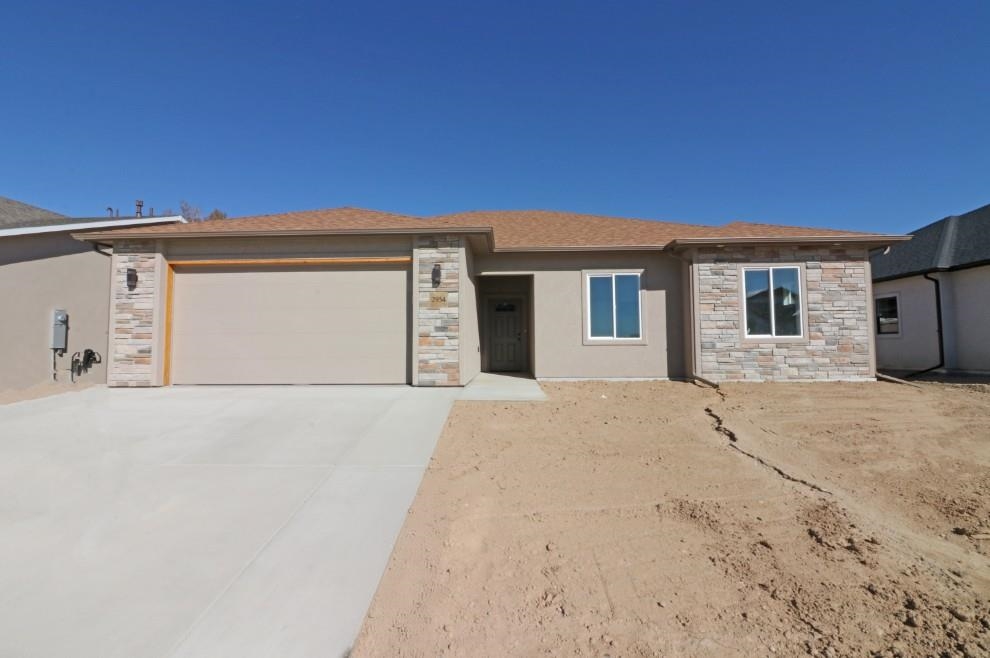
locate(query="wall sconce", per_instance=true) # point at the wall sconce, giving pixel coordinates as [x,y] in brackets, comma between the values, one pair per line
[131,278]
[435,275]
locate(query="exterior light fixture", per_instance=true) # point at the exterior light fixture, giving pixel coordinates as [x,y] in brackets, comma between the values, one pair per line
[131,278]
[435,275]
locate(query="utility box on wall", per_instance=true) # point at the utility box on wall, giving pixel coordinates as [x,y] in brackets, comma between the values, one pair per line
[60,330]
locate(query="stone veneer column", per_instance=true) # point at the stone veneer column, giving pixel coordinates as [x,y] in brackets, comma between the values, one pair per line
[132,315]
[437,318]
[837,341]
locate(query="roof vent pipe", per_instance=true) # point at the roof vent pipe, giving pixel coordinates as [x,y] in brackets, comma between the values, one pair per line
[109,211]
[138,205]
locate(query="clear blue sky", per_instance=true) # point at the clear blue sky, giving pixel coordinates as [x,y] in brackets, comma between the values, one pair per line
[872,115]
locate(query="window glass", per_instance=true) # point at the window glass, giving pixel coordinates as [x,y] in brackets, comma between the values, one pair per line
[758,302]
[786,301]
[627,306]
[600,293]
[888,319]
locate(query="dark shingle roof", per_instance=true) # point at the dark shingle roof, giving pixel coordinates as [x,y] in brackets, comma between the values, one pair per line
[951,243]
[15,214]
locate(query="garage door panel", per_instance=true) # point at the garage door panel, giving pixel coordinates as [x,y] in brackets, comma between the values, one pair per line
[285,319]
[290,326]
[293,346]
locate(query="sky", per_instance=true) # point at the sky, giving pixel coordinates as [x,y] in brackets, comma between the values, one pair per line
[859,115]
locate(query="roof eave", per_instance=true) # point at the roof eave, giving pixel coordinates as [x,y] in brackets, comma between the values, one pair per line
[81,228]
[933,270]
[110,236]
[571,248]
[878,240]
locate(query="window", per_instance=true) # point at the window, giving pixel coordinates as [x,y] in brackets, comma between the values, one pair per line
[888,316]
[773,301]
[613,307]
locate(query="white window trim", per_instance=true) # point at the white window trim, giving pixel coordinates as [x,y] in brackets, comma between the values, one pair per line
[876,319]
[639,303]
[773,322]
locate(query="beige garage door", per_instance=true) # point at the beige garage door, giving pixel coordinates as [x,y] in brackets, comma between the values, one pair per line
[296,325]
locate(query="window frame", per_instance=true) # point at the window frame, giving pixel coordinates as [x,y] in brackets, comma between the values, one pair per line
[876,314]
[587,338]
[802,281]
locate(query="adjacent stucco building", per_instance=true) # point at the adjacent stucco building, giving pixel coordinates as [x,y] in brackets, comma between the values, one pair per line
[358,296]
[932,298]
[43,269]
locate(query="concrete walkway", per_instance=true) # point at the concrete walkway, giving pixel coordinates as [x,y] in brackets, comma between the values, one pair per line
[204,521]
[498,386]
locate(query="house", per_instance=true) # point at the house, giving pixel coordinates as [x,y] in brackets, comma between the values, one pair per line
[932,297]
[43,269]
[352,296]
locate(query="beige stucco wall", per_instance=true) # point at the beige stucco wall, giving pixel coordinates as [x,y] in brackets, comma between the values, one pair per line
[39,273]
[558,345]
[294,247]
[470,340]
[965,318]
[916,347]
[970,312]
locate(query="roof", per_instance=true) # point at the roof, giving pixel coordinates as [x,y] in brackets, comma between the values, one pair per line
[16,214]
[545,229]
[18,218]
[329,220]
[506,230]
[951,243]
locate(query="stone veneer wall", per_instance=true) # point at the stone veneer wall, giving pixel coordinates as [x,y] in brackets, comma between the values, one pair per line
[132,315]
[838,339]
[437,324]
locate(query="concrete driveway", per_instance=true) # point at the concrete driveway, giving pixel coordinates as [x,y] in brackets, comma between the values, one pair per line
[220,521]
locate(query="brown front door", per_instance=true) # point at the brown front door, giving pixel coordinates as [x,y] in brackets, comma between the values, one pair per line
[505,335]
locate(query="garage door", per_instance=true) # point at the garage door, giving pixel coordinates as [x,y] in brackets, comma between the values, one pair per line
[290,325]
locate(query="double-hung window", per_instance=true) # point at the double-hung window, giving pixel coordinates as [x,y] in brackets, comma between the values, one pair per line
[888,316]
[614,307]
[772,304]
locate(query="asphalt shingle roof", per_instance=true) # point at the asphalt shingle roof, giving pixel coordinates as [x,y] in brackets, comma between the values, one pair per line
[510,229]
[16,214]
[951,243]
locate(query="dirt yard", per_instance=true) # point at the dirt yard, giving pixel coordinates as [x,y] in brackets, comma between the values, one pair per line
[666,519]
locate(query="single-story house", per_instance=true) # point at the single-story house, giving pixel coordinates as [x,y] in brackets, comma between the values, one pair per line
[354,296]
[932,297]
[44,270]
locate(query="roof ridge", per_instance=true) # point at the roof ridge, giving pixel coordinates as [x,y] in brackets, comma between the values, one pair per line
[569,213]
[316,210]
[947,243]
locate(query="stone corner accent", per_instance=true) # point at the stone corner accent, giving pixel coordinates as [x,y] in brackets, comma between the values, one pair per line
[437,315]
[132,315]
[838,339]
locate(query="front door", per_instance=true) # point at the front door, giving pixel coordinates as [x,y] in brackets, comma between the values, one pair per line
[505,342]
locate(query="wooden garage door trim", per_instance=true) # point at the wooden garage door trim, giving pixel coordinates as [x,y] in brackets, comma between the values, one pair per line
[258,262]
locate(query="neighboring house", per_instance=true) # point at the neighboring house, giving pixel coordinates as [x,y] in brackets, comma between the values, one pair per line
[933,297]
[43,269]
[358,296]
